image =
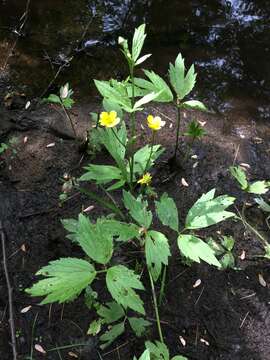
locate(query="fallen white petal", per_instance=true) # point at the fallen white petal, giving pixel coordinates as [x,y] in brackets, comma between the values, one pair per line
[204,341]
[245,165]
[40,349]
[25,309]
[243,255]
[197,283]
[184,183]
[182,340]
[89,208]
[50,145]
[27,105]
[262,281]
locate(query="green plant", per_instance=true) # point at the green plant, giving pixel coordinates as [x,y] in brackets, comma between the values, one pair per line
[64,99]
[260,187]
[9,148]
[194,131]
[223,251]
[158,351]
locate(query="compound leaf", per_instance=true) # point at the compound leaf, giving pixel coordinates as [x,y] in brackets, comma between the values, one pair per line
[208,210]
[137,42]
[258,187]
[66,278]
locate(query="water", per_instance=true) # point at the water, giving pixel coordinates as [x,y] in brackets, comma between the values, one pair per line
[227,40]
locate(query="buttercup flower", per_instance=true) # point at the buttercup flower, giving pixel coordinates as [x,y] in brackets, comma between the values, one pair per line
[145,180]
[155,123]
[109,119]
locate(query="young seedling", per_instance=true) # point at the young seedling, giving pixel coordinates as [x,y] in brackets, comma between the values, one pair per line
[195,132]
[223,251]
[260,187]
[65,101]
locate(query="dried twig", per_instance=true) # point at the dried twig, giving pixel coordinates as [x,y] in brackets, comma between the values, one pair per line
[10,301]
[18,32]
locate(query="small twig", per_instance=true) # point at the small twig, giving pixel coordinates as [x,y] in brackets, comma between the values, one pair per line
[196,302]
[24,17]
[10,298]
[236,154]
[243,321]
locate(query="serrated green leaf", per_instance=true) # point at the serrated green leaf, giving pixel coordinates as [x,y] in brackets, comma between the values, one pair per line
[120,282]
[137,209]
[102,174]
[112,335]
[123,231]
[158,350]
[240,176]
[194,105]
[111,313]
[215,246]
[94,242]
[137,42]
[167,212]
[157,252]
[182,84]
[138,325]
[155,84]
[195,249]
[258,187]
[209,211]
[66,278]
[95,327]
[114,92]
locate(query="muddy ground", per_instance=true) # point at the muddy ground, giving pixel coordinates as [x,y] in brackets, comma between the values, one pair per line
[226,317]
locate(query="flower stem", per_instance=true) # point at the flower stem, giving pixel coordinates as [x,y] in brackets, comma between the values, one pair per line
[133,119]
[117,137]
[70,120]
[151,151]
[177,131]
[156,307]
[163,281]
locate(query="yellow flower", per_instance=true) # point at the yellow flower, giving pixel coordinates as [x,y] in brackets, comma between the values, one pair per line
[145,180]
[155,123]
[109,119]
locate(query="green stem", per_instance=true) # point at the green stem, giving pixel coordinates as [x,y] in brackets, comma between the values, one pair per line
[163,281]
[117,137]
[70,120]
[151,151]
[177,131]
[156,307]
[133,119]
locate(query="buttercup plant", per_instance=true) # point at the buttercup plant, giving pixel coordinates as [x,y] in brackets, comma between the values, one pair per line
[65,279]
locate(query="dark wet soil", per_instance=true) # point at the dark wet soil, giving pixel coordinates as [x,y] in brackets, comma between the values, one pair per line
[226,317]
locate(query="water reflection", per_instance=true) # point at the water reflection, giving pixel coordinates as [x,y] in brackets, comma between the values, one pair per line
[228,40]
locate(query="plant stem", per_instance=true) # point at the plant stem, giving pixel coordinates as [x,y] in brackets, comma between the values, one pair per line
[131,67]
[163,281]
[156,307]
[70,120]
[117,137]
[151,151]
[177,131]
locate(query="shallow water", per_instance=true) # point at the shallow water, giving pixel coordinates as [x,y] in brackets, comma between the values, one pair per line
[227,40]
